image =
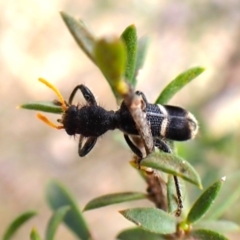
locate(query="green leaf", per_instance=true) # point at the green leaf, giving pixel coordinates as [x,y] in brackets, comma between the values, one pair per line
[58,196]
[110,54]
[114,198]
[202,234]
[172,164]
[151,219]
[129,36]
[34,235]
[177,84]
[17,223]
[138,234]
[42,106]
[220,226]
[228,196]
[141,55]
[83,37]
[204,202]
[54,222]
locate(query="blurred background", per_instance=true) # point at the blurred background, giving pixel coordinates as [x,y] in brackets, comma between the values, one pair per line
[34,42]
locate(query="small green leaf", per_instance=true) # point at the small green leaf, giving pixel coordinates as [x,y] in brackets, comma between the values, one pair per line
[228,196]
[129,36]
[204,202]
[58,196]
[172,164]
[151,219]
[110,54]
[141,55]
[54,222]
[83,37]
[177,84]
[220,226]
[202,234]
[138,234]
[34,235]
[17,223]
[42,106]
[114,198]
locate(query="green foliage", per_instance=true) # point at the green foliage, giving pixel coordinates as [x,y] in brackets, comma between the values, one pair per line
[120,59]
[42,106]
[129,37]
[178,83]
[17,223]
[55,220]
[136,234]
[113,198]
[204,202]
[34,235]
[172,164]
[58,197]
[151,219]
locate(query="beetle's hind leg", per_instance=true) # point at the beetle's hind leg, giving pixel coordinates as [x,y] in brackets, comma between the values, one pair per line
[163,146]
[133,147]
[159,143]
[86,92]
[87,147]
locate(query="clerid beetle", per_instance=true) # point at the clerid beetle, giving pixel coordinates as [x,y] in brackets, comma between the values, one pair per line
[90,121]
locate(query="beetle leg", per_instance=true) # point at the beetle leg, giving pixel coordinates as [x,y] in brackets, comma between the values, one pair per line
[86,92]
[165,148]
[133,147]
[139,93]
[87,147]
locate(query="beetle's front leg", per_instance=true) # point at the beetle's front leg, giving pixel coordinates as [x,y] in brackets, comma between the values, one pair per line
[86,92]
[87,147]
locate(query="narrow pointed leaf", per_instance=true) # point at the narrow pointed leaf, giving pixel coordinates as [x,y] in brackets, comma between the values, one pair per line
[54,222]
[49,107]
[204,202]
[114,198]
[110,54]
[228,197]
[220,226]
[172,164]
[141,55]
[177,84]
[138,234]
[17,223]
[58,196]
[203,234]
[83,37]
[129,36]
[151,219]
[35,235]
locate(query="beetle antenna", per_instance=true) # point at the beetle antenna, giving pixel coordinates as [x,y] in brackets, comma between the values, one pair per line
[48,122]
[61,100]
[59,95]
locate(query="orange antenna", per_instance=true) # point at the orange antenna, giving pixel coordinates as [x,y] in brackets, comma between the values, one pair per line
[48,122]
[61,100]
[59,95]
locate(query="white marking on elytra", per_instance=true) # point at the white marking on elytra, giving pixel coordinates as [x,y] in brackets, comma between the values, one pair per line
[193,124]
[163,128]
[164,124]
[163,110]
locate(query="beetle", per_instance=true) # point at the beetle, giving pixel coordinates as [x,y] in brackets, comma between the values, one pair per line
[91,121]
